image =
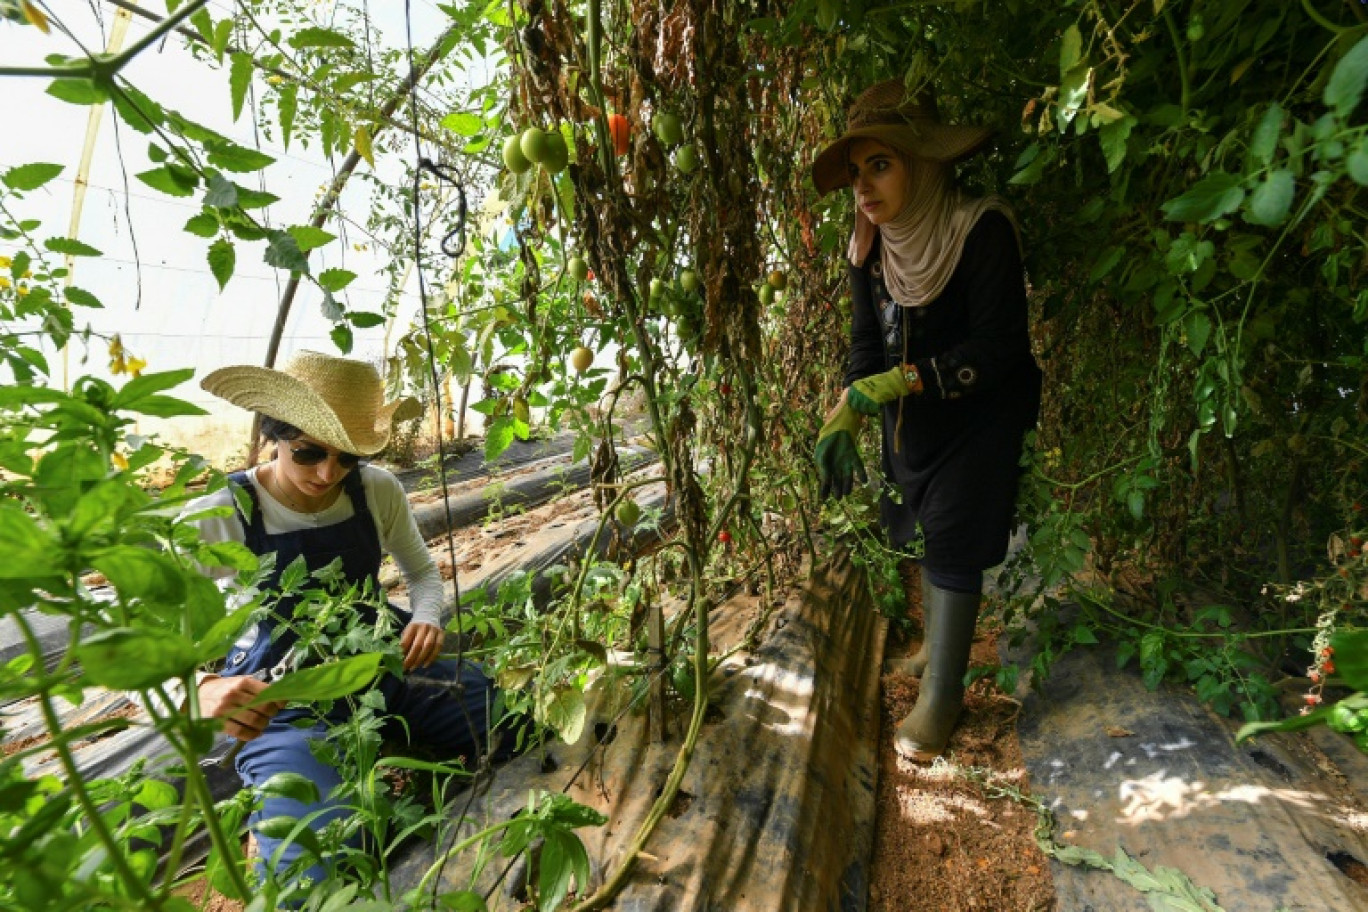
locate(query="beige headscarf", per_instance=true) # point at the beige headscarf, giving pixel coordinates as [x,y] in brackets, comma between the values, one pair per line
[922,245]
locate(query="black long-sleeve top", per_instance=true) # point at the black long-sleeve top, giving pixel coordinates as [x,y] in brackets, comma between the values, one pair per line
[958,443]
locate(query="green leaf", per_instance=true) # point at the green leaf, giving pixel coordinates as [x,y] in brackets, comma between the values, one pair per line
[154,794]
[1070,50]
[222,258]
[498,437]
[254,199]
[1271,201]
[1114,136]
[310,238]
[1351,658]
[320,37]
[1264,143]
[464,901]
[127,659]
[204,606]
[332,310]
[141,387]
[222,193]
[140,573]
[323,682]
[70,246]
[137,110]
[1197,325]
[291,785]
[165,407]
[170,179]
[565,712]
[1357,163]
[341,336]
[239,159]
[288,101]
[30,552]
[77,91]
[463,123]
[31,176]
[80,297]
[556,867]
[1348,80]
[99,507]
[1213,196]
[223,33]
[283,251]
[204,225]
[335,279]
[239,78]
[363,320]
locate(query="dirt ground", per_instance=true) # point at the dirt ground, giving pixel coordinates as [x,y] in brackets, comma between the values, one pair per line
[942,843]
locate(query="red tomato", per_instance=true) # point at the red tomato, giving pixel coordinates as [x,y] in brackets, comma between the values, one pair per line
[724,537]
[621,131]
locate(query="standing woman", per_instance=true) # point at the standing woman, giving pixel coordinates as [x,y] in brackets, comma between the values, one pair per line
[317,500]
[940,349]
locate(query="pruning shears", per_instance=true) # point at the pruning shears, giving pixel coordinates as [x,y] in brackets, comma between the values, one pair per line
[288,663]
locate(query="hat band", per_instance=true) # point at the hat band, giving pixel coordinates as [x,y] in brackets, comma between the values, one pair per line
[888,119]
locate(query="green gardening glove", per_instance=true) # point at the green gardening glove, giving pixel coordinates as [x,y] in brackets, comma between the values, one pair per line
[868,395]
[838,458]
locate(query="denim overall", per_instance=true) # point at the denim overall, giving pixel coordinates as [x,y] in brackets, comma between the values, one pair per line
[449,722]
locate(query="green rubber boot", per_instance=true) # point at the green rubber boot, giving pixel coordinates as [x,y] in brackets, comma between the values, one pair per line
[925,732]
[914,665]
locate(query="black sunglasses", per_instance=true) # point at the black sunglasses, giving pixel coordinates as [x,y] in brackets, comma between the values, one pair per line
[308,455]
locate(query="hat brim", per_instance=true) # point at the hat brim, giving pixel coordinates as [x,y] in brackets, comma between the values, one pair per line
[932,141]
[278,395]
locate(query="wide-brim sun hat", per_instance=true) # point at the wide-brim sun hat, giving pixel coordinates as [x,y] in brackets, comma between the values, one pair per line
[334,400]
[909,122]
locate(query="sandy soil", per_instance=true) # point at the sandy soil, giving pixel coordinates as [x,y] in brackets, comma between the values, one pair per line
[942,844]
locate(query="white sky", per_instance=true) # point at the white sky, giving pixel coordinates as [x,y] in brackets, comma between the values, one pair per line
[184,320]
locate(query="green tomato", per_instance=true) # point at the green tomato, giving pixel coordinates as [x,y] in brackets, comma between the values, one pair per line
[667,128]
[657,289]
[628,512]
[686,159]
[581,358]
[557,153]
[767,294]
[513,156]
[535,145]
[688,280]
[579,270]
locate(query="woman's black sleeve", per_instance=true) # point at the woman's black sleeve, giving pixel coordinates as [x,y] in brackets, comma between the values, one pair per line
[998,341]
[867,354]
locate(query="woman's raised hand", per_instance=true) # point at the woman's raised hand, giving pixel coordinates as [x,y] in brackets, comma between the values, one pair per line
[422,644]
[228,699]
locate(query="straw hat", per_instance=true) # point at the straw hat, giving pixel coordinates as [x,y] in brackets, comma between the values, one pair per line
[334,400]
[886,112]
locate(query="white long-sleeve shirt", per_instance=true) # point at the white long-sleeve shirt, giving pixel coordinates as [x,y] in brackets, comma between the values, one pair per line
[393,519]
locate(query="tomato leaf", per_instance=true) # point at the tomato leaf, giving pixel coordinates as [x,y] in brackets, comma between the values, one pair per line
[70,246]
[1347,81]
[335,279]
[1213,196]
[323,682]
[222,258]
[239,78]
[31,176]
[307,237]
[1271,200]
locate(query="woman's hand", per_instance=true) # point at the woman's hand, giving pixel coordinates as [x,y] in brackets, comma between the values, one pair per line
[422,644]
[227,699]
